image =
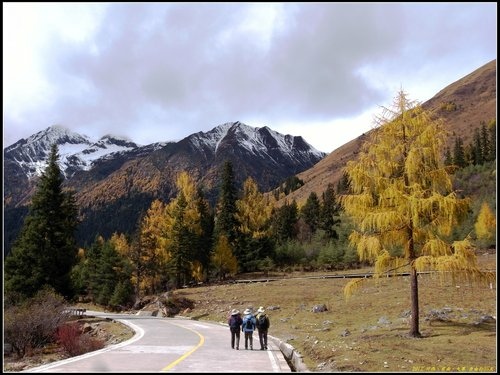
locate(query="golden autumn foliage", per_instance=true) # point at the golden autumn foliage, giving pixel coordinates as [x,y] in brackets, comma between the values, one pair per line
[160,236]
[253,210]
[120,243]
[402,202]
[486,223]
[191,215]
[223,259]
[151,254]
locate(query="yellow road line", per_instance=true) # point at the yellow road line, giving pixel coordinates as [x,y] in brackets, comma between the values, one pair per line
[184,356]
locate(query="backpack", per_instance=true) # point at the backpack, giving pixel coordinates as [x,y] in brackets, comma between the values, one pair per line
[262,321]
[247,322]
[234,322]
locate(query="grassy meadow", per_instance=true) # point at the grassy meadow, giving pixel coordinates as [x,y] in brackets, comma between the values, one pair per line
[368,332]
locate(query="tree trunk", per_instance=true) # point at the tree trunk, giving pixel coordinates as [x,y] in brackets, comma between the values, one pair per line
[414,331]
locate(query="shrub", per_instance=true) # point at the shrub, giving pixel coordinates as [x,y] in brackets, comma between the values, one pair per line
[33,322]
[289,253]
[448,106]
[74,341]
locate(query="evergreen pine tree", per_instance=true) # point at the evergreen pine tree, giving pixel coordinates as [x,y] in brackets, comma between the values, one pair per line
[284,220]
[448,159]
[181,242]
[343,184]
[329,214]
[477,148]
[45,250]
[225,218]
[485,142]
[459,154]
[204,243]
[492,129]
[310,212]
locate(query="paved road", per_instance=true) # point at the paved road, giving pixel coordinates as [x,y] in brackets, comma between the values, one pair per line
[173,345]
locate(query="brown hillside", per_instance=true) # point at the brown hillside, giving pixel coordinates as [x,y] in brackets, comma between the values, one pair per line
[463,105]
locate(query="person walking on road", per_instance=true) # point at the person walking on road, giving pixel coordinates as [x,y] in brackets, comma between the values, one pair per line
[248,327]
[263,325]
[235,323]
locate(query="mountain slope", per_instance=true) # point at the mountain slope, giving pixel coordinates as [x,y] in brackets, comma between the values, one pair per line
[266,156]
[472,100]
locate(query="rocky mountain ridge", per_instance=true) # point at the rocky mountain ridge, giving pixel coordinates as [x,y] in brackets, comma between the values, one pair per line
[115,180]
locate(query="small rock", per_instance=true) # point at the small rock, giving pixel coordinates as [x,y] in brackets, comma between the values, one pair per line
[319,308]
[383,320]
[487,319]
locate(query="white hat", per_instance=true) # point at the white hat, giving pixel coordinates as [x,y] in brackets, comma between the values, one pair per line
[246,312]
[234,312]
[261,310]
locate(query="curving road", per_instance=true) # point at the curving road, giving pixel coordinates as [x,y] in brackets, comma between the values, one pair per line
[173,345]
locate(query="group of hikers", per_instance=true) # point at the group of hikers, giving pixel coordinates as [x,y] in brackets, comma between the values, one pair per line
[247,325]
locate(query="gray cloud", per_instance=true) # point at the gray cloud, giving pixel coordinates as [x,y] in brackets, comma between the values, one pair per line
[182,67]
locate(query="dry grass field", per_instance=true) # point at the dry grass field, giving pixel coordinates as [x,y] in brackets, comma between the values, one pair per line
[368,333]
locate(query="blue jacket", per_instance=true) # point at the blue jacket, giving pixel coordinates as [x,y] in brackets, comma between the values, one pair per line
[250,326]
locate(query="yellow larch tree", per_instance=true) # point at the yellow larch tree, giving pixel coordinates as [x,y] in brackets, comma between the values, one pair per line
[120,243]
[486,223]
[183,229]
[253,213]
[223,259]
[253,210]
[151,253]
[402,202]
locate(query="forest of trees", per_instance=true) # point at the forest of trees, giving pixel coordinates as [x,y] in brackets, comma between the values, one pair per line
[481,150]
[186,241]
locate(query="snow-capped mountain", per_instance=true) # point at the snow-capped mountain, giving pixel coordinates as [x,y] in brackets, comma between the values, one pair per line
[259,141]
[114,179]
[76,151]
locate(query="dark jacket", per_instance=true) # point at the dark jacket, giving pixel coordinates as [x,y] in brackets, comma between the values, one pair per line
[263,326]
[235,322]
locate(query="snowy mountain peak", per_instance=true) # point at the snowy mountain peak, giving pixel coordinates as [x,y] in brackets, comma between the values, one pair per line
[76,151]
[54,134]
[254,139]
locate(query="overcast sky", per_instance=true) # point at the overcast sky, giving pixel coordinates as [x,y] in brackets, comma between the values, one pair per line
[162,71]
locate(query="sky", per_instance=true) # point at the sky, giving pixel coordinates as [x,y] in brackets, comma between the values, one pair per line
[156,72]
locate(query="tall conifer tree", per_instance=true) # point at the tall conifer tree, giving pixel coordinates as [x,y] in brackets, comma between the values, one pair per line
[329,214]
[45,250]
[283,222]
[225,217]
[310,212]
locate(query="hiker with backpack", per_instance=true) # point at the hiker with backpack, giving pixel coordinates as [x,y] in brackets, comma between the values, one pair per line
[235,323]
[248,327]
[263,324]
